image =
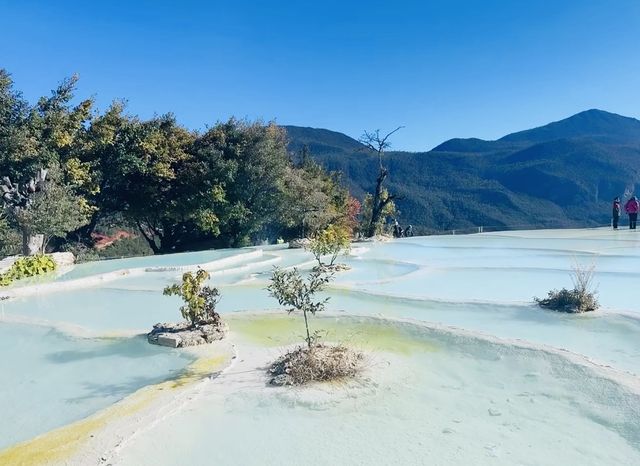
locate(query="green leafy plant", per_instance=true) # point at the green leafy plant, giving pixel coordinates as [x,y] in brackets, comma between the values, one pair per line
[330,242]
[25,267]
[291,289]
[200,301]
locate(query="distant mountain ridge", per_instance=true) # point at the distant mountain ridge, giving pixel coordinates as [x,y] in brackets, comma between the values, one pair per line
[558,175]
[593,124]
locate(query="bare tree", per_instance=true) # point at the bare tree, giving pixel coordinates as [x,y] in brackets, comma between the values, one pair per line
[378,144]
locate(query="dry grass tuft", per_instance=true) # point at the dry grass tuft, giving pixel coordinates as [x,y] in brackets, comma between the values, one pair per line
[582,298]
[320,363]
[329,268]
[571,301]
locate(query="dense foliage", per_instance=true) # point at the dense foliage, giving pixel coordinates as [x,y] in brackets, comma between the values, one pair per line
[232,185]
[330,242]
[200,301]
[25,267]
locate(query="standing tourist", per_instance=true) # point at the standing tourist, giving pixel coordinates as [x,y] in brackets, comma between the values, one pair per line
[616,212]
[632,207]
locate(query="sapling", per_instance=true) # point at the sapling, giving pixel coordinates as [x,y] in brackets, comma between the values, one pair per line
[200,301]
[291,289]
[316,362]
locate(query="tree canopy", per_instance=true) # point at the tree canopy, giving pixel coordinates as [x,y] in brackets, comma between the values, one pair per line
[234,184]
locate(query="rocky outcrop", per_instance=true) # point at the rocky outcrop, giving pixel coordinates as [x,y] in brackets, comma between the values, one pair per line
[181,335]
[63,259]
[300,243]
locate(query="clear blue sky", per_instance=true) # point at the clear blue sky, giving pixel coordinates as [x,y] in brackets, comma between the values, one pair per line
[442,68]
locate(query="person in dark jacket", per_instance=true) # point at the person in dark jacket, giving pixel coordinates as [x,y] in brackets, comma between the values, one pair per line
[616,212]
[409,231]
[632,207]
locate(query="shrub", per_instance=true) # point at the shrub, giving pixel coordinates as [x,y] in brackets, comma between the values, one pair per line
[582,298]
[320,363]
[331,241]
[293,291]
[126,247]
[10,238]
[314,362]
[81,252]
[200,301]
[28,266]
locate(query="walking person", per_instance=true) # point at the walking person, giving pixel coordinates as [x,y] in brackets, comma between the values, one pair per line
[632,207]
[616,212]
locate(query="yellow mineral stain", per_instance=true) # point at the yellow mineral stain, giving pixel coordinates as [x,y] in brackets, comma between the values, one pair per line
[60,444]
[277,330]
[198,370]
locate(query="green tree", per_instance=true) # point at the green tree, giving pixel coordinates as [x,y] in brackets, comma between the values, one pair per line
[249,160]
[330,242]
[314,198]
[53,211]
[48,134]
[20,145]
[158,184]
[200,301]
[10,239]
[232,185]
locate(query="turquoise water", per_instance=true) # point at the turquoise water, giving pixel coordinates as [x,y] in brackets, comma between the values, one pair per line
[50,379]
[174,260]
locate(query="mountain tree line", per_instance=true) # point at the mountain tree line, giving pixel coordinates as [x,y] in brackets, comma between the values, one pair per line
[66,167]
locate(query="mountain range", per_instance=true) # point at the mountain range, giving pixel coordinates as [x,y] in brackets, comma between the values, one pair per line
[564,174]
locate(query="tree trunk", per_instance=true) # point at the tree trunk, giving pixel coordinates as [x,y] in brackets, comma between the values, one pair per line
[32,244]
[150,239]
[83,233]
[377,205]
[306,325]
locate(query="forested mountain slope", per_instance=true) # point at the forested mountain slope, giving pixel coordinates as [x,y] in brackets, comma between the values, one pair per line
[559,175]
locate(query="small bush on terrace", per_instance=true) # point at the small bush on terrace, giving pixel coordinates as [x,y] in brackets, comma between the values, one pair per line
[314,362]
[28,266]
[200,301]
[330,242]
[582,298]
[322,363]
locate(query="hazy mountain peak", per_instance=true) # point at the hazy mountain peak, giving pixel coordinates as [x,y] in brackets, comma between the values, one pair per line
[595,124]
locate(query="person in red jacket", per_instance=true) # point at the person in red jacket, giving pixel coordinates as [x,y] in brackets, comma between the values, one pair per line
[632,207]
[616,212]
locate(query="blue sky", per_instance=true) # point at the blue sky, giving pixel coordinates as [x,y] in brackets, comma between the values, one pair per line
[442,68]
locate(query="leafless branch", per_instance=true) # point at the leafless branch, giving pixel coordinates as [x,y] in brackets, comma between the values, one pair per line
[376,143]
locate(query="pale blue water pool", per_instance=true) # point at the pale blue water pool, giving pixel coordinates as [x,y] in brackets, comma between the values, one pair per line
[481,283]
[50,379]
